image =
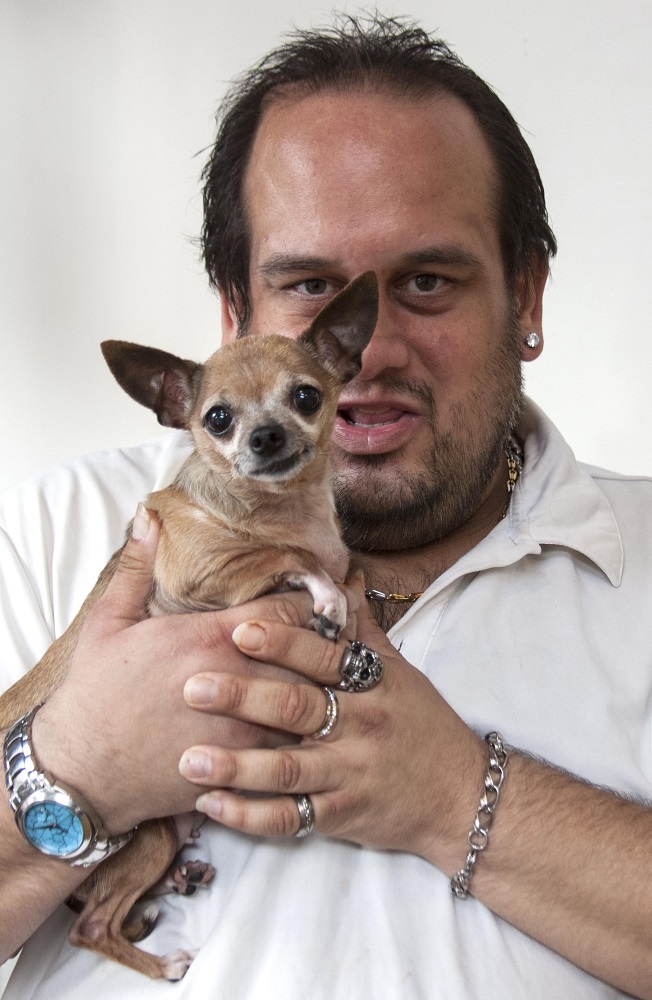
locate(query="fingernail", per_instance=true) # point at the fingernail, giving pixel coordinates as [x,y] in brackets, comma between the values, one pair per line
[353,598]
[210,805]
[249,636]
[200,691]
[195,764]
[141,523]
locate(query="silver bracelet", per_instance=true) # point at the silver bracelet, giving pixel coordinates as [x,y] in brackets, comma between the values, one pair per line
[478,837]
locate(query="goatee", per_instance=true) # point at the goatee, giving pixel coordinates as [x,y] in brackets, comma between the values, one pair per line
[405,510]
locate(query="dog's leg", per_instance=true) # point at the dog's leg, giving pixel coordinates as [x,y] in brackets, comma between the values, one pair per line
[329,603]
[111,892]
[258,572]
[184,877]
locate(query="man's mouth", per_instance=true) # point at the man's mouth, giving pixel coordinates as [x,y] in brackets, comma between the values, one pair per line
[373,430]
[365,417]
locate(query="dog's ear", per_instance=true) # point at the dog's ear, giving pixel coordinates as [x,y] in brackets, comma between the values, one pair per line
[166,384]
[340,332]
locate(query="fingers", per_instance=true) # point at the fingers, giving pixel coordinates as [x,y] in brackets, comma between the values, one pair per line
[303,651]
[290,707]
[260,817]
[367,628]
[280,772]
[299,650]
[277,772]
[125,597]
[292,609]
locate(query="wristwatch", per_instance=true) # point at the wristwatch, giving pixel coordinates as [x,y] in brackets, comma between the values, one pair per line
[52,817]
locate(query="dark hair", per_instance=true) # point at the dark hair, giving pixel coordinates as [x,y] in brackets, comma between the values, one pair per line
[361,52]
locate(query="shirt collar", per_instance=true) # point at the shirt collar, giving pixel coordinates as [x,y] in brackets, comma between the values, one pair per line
[557,503]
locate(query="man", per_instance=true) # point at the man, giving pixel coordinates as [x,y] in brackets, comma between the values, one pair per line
[369,147]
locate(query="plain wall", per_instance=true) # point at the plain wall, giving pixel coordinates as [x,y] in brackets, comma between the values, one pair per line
[105,107]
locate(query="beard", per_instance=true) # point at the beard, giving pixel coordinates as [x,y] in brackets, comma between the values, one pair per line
[381,509]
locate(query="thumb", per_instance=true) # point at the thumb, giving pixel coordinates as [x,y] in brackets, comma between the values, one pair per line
[124,601]
[368,630]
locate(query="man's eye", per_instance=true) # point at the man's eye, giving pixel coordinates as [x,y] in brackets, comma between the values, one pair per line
[313,286]
[217,420]
[426,282]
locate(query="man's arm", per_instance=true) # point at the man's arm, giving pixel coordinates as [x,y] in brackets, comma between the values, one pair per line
[571,865]
[31,885]
[568,864]
[120,712]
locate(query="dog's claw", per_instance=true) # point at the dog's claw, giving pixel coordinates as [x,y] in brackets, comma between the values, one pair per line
[325,627]
[177,964]
[186,878]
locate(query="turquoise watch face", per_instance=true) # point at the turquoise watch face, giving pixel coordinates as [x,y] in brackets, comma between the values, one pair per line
[53,828]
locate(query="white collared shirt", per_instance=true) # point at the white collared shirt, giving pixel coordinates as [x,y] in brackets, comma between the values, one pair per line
[542,631]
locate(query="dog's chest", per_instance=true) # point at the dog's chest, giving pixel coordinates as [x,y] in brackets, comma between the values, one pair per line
[321,536]
[305,519]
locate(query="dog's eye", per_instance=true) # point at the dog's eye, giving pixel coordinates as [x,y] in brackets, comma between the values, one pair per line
[218,420]
[307,399]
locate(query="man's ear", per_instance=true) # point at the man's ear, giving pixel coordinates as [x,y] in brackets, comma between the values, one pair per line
[528,298]
[230,324]
[166,384]
[340,332]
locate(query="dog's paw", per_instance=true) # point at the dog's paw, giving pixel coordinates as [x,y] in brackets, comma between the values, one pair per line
[176,964]
[325,627]
[188,876]
[329,615]
[329,607]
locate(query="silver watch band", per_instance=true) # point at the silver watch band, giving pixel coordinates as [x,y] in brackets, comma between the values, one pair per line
[23,778]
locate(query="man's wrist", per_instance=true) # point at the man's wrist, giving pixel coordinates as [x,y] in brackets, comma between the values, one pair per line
[51,816]
[478,837]
[31,884]
[79,762]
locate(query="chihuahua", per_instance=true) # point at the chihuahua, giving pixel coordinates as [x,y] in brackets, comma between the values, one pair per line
[250,512]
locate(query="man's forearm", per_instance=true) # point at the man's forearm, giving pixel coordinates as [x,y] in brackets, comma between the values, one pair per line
[571,865]
[567,863]
[31,885]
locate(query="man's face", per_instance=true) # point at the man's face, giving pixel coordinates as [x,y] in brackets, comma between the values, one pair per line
[341,183]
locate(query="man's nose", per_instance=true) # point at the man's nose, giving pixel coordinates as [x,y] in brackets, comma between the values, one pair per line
[388,348]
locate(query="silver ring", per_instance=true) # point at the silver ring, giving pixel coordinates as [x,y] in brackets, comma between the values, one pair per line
[361,668]
[332,709]
[306,815]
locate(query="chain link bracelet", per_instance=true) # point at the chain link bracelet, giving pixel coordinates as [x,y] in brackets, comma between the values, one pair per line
[478,837]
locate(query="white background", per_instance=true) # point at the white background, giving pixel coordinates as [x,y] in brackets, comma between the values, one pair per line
[105,105]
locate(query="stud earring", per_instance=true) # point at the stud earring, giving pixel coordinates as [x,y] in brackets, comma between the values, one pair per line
[532,339]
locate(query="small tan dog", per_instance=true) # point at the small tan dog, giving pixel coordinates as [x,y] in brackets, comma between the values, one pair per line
[250,512]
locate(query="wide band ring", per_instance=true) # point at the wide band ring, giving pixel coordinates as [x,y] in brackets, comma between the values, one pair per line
[306,815]
[361,668]
[332,709]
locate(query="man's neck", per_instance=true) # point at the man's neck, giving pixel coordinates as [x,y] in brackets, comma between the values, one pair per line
[412,570]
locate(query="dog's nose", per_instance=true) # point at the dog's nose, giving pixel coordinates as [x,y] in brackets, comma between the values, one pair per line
[266,440]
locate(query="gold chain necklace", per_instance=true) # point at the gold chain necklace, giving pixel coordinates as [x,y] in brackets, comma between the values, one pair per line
[514,454]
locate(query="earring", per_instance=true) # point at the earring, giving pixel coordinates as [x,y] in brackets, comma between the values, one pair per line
[532,339]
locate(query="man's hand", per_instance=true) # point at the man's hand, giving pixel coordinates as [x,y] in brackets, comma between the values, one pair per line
[568,863]
[400,769]
[118,724]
